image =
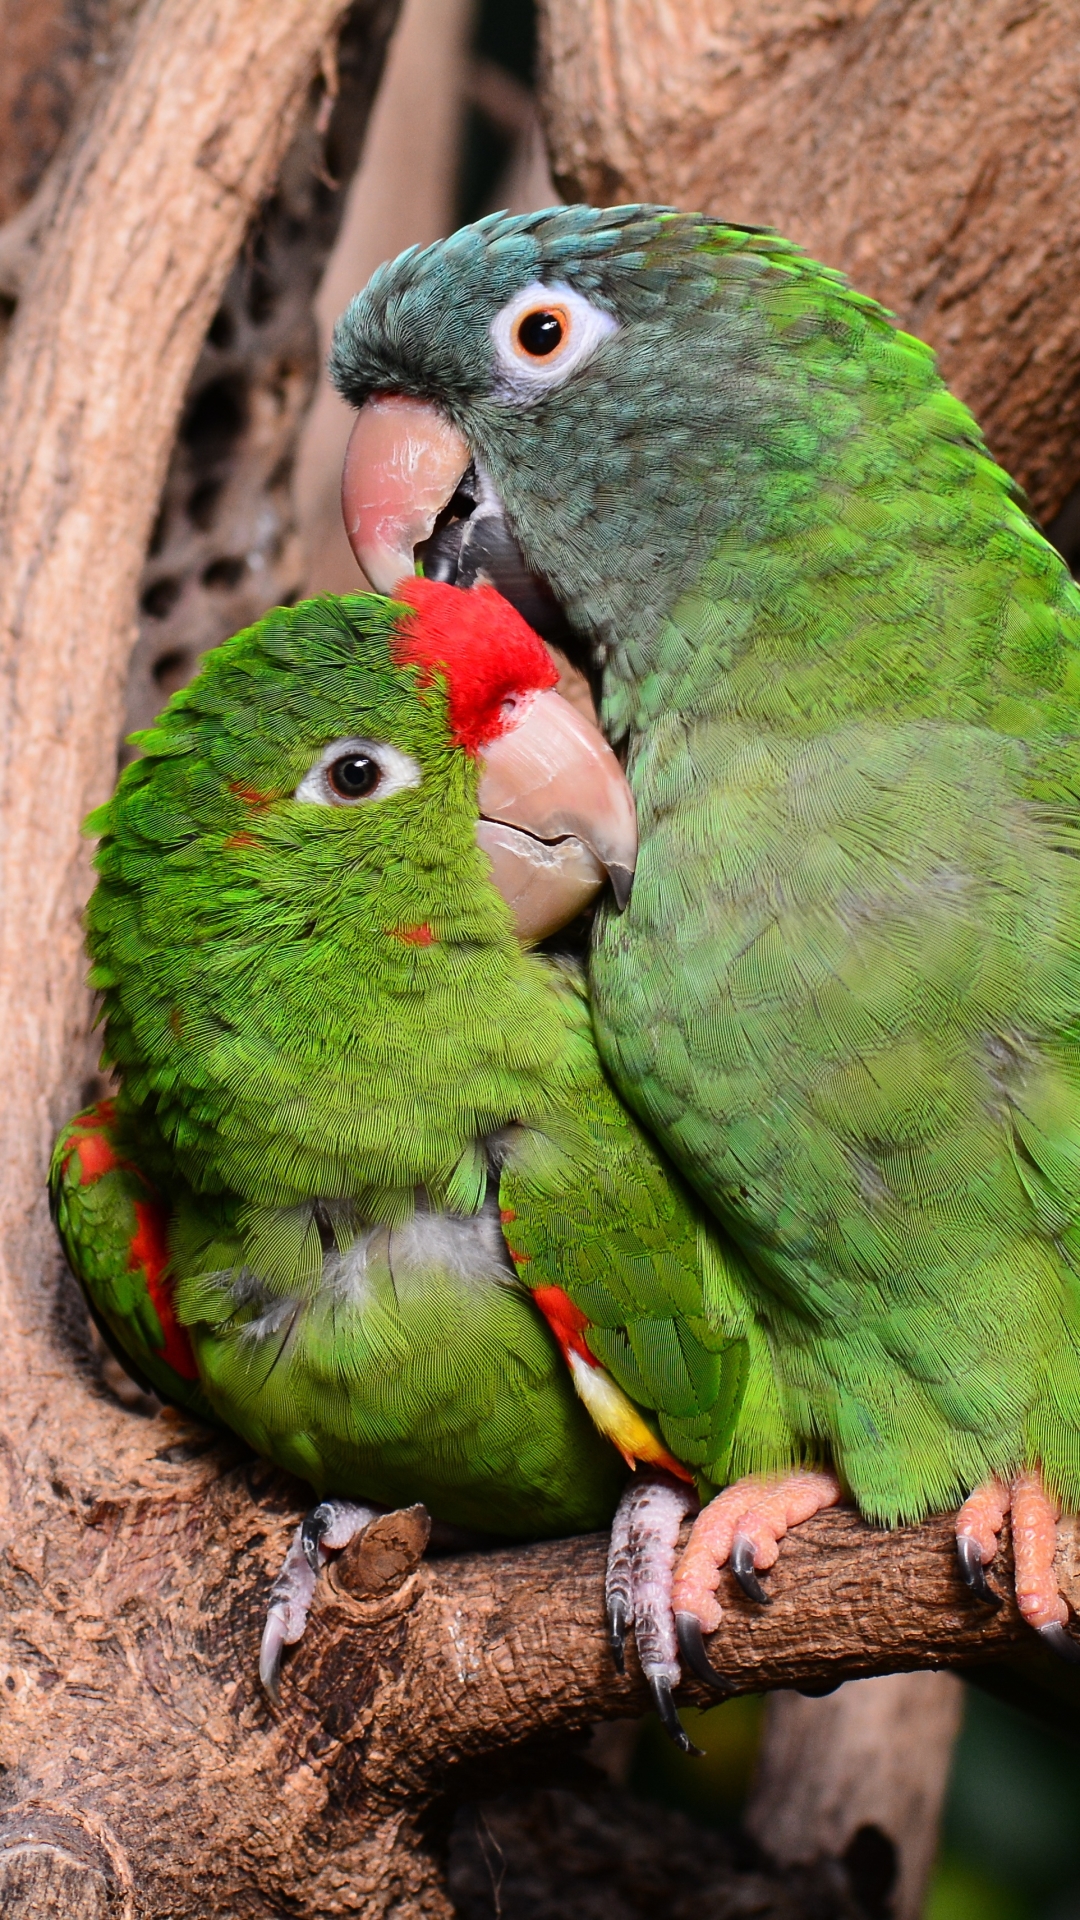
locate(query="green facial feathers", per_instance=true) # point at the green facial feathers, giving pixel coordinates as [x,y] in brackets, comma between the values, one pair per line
[310,998]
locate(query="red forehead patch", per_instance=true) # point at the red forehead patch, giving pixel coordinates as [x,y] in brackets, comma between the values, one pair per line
[482,645]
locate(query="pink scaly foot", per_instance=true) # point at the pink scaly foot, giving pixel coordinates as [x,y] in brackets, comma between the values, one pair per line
[743,1525]
[1034,1530]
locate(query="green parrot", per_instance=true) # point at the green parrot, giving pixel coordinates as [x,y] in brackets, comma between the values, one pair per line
[842,666]
[362,1133]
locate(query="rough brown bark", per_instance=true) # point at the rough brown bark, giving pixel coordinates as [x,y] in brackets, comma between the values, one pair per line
[930,148]
[133,1719]
[47,50]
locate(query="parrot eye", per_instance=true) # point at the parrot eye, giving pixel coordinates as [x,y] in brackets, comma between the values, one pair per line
[541,332]
[350,771]
[542,335]
[354,776]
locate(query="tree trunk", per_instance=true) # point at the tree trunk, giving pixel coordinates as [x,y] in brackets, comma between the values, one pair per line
[402,196]
[859,1777]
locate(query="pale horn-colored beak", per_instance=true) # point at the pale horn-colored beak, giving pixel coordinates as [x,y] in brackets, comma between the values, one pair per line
[402,466]
[557,817]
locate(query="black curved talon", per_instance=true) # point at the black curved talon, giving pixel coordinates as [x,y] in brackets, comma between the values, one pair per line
[692,1647]
[618,1620]
[741,1562]
[972,1571]
[669,1717]
[312,1529]
[1060,1641]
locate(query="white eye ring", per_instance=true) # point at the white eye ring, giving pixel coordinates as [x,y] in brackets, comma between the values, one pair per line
[397,770]
[522,374]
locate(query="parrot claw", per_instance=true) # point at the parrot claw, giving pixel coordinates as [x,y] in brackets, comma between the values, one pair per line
[692,1648]
[619,1620]
[668,1714]
[330,1525]
[290,1602]
[972,1571]
[271,1652]
[637,1587]
[1060,1641]
[314,1526]
[741,1562]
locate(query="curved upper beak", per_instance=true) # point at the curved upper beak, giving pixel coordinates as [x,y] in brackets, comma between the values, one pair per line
[402,466]
[557,817]
[557,814]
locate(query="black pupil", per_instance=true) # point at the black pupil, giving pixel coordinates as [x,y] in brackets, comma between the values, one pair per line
[540,333]
[354,775]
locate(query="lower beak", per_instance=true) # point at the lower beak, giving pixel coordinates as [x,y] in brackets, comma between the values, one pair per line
[402,466]
[557,817]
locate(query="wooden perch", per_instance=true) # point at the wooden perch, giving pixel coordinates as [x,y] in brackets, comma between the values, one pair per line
[134,1714]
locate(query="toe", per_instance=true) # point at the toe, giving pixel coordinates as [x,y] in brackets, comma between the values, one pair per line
[1060,1641]
[660,1688]
[330,1525]
[286,1617]
[274,1641]
[618,1578]
[1034,1533]
[741,1562]
[981,1519]
[698,1572]
[745,1524]
[969,1560]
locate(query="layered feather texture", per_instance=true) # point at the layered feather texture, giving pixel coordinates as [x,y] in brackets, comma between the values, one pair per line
[845,665]
[337,1066]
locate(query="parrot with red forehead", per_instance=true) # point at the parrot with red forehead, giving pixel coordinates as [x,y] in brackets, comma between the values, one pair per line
[365,1194]
[843,670]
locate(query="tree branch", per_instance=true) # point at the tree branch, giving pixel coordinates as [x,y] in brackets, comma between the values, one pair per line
[139,1624]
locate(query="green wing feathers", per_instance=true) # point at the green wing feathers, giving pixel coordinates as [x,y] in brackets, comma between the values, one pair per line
[114,1229]
[606,1220]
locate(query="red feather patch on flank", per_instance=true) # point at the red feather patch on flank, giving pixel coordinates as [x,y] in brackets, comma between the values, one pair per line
[84,1134]
[566,1321]
[483,646]
[149,1249]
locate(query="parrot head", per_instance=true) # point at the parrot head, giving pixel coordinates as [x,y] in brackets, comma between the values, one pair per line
[579,405]
[317,883]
